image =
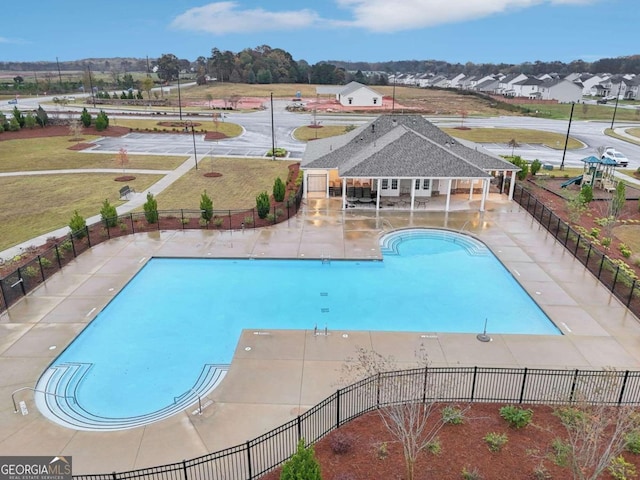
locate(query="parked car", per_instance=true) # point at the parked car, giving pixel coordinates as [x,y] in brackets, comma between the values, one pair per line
[13,101]
[601,100]
[620,159]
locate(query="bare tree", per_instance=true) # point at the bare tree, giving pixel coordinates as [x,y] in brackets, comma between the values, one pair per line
[596,428]
[407,401]
[75,129]
[122,158]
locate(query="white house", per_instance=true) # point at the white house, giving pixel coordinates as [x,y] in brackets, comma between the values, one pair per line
[527,88]
[561,90]
[356,94]
[506,84]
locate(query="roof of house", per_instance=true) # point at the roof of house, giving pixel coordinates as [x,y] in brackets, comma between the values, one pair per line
[529,81]
[401,146]
[351,87]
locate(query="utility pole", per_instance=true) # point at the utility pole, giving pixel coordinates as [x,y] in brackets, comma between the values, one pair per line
[59,74]
[273,133]
[93,98]
[179,98]
[615,109]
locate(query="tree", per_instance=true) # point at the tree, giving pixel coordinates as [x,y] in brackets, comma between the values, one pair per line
[596,431]
[102,121]
[75,129]
[279,190]
[618,200]
[302,465]
[513,144]
[147,84]
[168,67]
[78,225]
[151,209]
[407,408]
[122,158]
[42,117]
[206,207]
[263,204]
[17,115]
[109,214]
[85,118]
[30,120]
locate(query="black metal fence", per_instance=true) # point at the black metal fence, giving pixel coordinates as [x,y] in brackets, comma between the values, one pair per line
[256,457]
[619,280]
[62,250]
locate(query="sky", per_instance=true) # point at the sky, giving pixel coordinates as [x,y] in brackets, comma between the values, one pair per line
[478,31]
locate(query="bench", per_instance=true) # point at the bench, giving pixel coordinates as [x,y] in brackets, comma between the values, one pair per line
[125,191]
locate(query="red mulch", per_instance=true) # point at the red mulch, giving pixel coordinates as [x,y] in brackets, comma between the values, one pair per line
[60,131]
[124,178]
[215,136]
[213,174]
[81,146]
[462,446]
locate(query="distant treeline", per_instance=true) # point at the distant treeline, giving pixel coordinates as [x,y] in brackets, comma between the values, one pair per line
[264,64]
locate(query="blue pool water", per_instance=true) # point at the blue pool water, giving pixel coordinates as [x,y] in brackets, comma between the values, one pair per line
[147,349]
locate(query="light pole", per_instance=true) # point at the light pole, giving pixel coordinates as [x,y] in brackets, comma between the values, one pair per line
[193,136]
[566,141]
[179,99]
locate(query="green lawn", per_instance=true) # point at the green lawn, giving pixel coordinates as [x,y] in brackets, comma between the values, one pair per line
[52,153]
[36,204]
[204,125]
[505,135]
[582,112]
[241,181]
[633,131]
[304,134]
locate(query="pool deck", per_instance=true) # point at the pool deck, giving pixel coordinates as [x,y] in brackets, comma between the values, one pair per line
[286,372]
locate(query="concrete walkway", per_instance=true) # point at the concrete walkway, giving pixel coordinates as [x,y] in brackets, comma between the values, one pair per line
[286,372]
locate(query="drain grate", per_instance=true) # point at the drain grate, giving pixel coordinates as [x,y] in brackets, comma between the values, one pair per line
[324,310]
[324,294]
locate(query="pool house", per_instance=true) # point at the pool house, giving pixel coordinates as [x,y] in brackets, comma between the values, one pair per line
[402,161]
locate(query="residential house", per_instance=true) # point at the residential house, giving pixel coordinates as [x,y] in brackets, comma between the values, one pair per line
[355,94]
[506,84]
[561,90]
[528,88]
[401,157]
[489,86]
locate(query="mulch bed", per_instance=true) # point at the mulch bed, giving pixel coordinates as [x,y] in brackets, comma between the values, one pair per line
[215,136]
[212,174]
[81,146]
[124,178]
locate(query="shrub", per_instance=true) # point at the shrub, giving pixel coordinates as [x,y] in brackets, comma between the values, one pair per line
[540,473]
[123,227]
[620,469]
[516,417]
[263,204]
[382,451]
[302,464]
[66,246]
[434,446]
[272,217]
[495,441]
[586,193]
[536,165]
[595,232]
[45,262]
[624,250]
[452,415]
[279,190]
[218,221]
[78,225]
[151,209]
[30,271]
[606,242]
[340,442]
[278,152]
[206,207]
[561,451]
[85,118]
[632,441]
[472,474]
[102,121]
[248,220]
[109,214]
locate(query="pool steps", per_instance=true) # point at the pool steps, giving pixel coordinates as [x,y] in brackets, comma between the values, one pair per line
[64,380]
[390,242]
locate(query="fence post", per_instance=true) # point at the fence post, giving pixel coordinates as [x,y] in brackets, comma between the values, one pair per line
[133,229]
[58,256]
[558,228]
[378,375]
[337,408]
[588,255]
[633,287]
[21,281]
[575,250]
[624,385]
[114,475]
[106,222]
[473,385]
[299,428]
[573,385]
[601,265]
[229,219]
[4,297]
[86,229]
[248,447]
[184,469]
[566,237]
[615,279]
[182,218]
[41,269]
[524,383]
[424,386]
[73,245]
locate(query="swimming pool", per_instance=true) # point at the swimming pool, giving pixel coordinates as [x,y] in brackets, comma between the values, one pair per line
[168,337]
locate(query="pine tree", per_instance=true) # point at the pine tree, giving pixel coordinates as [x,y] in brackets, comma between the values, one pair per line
[302,465]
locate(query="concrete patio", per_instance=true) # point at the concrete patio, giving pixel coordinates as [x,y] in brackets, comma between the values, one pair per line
[286,372]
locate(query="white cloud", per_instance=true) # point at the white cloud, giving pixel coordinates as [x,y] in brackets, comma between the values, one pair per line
[226,17]
[386,16]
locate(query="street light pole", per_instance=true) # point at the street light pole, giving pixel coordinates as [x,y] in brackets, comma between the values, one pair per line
[273,133]
[179,99]
[193,136]
[566,141]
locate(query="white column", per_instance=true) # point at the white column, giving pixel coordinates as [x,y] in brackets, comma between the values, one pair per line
[485,193]
[471,182]
[304,184]
[377,180]
[344,193]
[446,207]
[512,185]
[413,192]
[326,193]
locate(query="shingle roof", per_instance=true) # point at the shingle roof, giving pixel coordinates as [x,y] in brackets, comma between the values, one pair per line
[400,146]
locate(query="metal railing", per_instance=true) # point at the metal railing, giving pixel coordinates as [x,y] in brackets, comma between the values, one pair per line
[28,276]
[619,280]
[256,457]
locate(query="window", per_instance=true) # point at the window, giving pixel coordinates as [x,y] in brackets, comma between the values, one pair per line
[375,101]
[350,100]
[394,184]
[417,184]
[385,184]
[426,183]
